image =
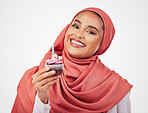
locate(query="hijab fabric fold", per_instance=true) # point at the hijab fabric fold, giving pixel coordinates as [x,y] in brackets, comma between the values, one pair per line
[85,86]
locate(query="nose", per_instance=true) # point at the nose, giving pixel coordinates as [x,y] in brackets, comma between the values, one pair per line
[80,34]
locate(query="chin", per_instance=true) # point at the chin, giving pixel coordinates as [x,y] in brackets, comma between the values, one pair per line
[74,55]
[78,56]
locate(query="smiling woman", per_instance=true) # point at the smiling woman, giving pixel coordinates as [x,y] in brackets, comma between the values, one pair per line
[86,85]
[84,36]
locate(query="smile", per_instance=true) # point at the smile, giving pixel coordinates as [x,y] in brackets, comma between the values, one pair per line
[77,43]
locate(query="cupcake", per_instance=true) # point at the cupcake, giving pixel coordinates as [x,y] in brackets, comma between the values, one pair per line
[55,63]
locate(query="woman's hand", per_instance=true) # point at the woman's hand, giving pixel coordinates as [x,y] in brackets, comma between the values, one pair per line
[42,80]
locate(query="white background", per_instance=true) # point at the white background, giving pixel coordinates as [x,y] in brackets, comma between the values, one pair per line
[29,27]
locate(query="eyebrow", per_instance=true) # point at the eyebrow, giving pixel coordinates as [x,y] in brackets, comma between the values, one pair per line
[78,21]
[88,26]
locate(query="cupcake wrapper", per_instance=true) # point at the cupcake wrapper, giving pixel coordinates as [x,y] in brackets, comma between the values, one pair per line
[56,66]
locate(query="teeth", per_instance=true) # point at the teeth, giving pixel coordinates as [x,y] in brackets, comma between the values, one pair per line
[75,42]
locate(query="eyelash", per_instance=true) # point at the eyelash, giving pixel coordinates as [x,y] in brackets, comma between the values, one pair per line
[75,26]
[90,32]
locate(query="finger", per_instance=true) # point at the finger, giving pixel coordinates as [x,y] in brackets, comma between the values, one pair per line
[50,83]
[41,71]
[40,86]
[43,76]
[45,81]
[47,74]
[46,86]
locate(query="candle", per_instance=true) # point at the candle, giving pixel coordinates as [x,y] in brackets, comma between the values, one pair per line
[52,50]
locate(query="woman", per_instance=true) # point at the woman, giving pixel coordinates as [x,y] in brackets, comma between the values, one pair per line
[86,84]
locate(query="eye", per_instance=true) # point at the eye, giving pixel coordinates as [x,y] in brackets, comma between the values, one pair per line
[90,32]
[75,26]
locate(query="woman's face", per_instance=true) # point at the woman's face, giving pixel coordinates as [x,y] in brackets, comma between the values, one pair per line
[84,36]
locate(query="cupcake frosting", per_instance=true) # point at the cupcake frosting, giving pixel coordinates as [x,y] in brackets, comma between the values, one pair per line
[54,60]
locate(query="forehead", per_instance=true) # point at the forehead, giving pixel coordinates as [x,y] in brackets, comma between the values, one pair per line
[89,17]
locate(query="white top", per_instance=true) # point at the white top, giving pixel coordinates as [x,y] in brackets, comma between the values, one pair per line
[122,107]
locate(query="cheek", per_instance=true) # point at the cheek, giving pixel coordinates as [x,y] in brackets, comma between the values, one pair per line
[67,35]
[71,31]
[93,43]
[66,42]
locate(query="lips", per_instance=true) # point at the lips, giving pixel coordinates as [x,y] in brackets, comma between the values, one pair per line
[77,43]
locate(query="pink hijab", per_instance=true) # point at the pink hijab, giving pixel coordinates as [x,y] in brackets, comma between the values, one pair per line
[86,85]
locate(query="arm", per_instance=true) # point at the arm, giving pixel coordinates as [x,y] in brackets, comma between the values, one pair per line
[40,107]
[42,80]
[123,106]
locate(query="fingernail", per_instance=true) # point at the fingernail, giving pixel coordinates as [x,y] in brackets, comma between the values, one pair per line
[53,71]
[47,68]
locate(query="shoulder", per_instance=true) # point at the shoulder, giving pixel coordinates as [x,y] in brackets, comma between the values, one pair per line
[124,106]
